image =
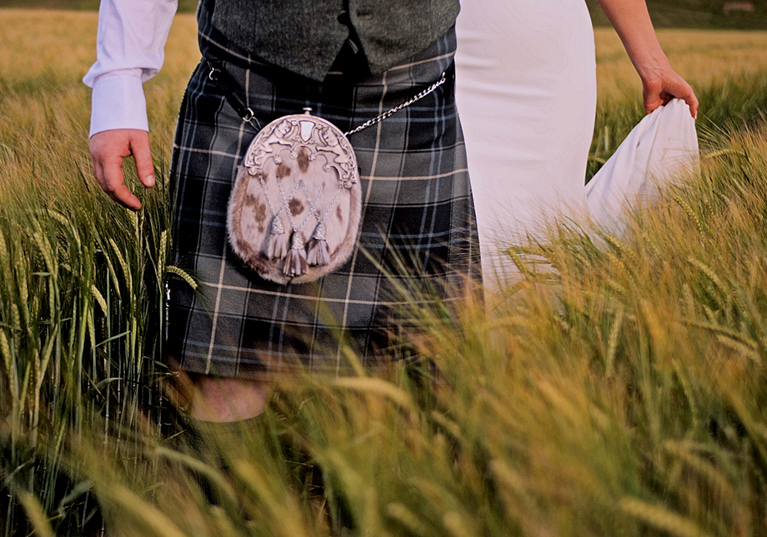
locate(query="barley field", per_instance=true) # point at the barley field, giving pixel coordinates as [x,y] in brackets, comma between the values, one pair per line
[625,393]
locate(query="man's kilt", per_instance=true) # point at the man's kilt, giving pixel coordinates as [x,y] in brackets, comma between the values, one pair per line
[417,232]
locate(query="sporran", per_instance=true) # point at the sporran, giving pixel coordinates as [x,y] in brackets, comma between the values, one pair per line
[295,209]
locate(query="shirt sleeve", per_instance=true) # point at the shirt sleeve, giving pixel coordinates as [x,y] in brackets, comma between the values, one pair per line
[130,50]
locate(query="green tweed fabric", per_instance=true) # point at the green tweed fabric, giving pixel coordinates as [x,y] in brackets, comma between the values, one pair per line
[305,36]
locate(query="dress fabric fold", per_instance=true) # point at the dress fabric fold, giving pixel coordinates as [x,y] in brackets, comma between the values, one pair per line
[526,92]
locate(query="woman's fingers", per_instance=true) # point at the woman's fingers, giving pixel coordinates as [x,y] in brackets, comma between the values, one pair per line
[687,94]
[651,94]
[660,90]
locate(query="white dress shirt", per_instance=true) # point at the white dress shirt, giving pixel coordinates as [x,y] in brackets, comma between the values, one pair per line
[129,51]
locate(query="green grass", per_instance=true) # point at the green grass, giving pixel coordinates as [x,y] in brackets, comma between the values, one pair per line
[623,394]
[184,6]
[695,14]
[665,13]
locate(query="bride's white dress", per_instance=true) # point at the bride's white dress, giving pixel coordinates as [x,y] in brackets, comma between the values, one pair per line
[526,90]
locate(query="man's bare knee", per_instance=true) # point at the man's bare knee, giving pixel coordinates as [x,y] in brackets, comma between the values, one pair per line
[226,399]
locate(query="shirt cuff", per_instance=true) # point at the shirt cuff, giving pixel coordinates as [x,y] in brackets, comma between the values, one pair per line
[118,103]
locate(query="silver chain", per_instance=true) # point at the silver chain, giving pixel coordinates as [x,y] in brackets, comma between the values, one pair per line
[392,111]
[250,116]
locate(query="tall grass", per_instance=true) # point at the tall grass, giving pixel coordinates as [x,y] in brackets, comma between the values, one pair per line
[622,394]
[80,312]
[728,71]
[81,282]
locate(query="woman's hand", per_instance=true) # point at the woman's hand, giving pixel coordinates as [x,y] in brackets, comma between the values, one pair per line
[660,82]
[659,86]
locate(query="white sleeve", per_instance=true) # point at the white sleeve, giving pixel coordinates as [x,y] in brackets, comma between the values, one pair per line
[129,51]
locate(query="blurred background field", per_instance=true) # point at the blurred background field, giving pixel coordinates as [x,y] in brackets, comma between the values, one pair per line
[84,5]
[751,14]
[624,395]
[748,14]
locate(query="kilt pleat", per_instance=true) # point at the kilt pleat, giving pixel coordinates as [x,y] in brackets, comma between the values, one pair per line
[417,223]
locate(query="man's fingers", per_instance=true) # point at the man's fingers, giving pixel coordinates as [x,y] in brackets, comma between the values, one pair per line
[113,183]
[108,149]
[123,195]
[143,157]
[98,172]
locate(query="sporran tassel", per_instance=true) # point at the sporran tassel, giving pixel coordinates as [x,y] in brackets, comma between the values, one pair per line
[277,243]
[295,262]
[318,253]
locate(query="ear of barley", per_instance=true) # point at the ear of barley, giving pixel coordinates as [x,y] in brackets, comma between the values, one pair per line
[624,250]
[99,299]
[172,269]
[662,519]
[705,468]
[110,268]
[47,252]
[21,282]
[690,212]
[744,350]
[140,513]
[654,326]
[405,517]
[10,365]
[36,515]
[379,387]
[455,525]
[123,265]
[5,259]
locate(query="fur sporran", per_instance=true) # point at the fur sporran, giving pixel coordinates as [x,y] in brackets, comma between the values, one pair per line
[294,212]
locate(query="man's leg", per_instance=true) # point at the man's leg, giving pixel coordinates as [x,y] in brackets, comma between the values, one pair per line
[217,399]
[223,413]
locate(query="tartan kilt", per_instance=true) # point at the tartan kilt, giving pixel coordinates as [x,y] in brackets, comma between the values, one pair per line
[417,228]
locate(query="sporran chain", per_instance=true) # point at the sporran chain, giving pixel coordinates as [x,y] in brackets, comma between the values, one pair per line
[392,111]
[249,116]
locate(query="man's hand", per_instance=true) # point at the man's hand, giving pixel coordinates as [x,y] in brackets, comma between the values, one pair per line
[108,149]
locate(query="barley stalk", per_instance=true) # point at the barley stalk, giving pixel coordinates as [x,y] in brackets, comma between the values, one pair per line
[612,342]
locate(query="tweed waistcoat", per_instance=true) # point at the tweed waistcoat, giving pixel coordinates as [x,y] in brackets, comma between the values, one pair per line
[305,36]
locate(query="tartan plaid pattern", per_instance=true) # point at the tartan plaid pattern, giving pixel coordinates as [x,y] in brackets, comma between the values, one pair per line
[417,212]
